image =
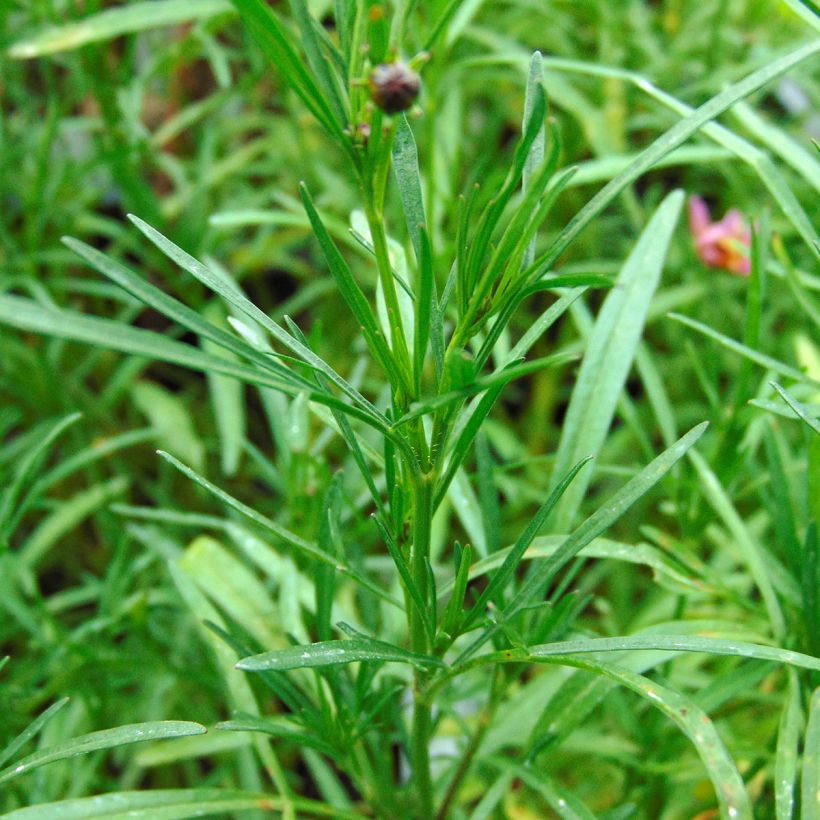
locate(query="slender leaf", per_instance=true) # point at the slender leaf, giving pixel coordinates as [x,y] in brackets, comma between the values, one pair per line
[106,739]
[785,764]
[351,292]
[332,653]
[11,507]
[502,577]
[114,22]
[277,529]
[810,781]
[753,355]
[750,549]
[800,409]
[174,804]
[278,729]
[32,730]
[604,517]
[67,324]
[676,643]
[233,297]
[609,355]
[671,139]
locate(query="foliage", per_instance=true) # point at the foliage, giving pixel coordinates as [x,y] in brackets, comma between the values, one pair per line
[261,530]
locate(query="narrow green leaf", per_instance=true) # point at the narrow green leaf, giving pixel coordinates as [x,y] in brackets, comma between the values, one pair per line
[174,804]
[178,312]
[235,298]
[112,335]
[114,22]
[666,573]
[781,143]
[810,576]
[695,723]
[352,293]
[671,139]
[477,283]
[106,739]
[455,606]
[805,12]
[331,653]
[32,730]
[563,801]
[499,377]
[461,447]
[543,323]
[97,450]
[750,549]
[234,587]
[67,515]
[408,181]
[800,409]
[676,643]
[603,518]
[609,356]
[276,42]
[279,729]
[425,312]
[239,694]
[504,574]
[535,78]
[10,502]
[277,529]
[753,355]
[319,64]
[785,764]
[810,781]
[169,415]
[407,577]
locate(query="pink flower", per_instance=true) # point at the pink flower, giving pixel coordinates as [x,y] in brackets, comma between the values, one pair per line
[723,244]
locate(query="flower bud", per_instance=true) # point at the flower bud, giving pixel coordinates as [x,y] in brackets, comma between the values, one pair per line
[394,87]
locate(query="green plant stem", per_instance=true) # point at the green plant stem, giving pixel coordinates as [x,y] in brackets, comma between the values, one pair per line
[472,747]
[422,712]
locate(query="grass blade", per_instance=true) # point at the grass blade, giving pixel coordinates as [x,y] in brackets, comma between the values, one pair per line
[105,333]
[810,785]
[173,804]
[604,517]
[275,40]
[749,548]
[175,310]
[695,724]
[736,347]
[408,181]
[785,764]
[233,297]
[671,139]
[675,643]
[11,508]
[502,577]
[277,729]
[114,22]
[106,739]
[332,653]
[352,293]
[609,355]
[31,730]
[800,409]
[285,534]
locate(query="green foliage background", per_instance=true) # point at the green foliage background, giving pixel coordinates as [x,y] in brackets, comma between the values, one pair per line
[113,559]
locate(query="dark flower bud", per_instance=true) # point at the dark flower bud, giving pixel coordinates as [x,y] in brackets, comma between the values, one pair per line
[394,87]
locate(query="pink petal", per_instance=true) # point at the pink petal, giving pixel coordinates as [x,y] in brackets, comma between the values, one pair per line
[698,215]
